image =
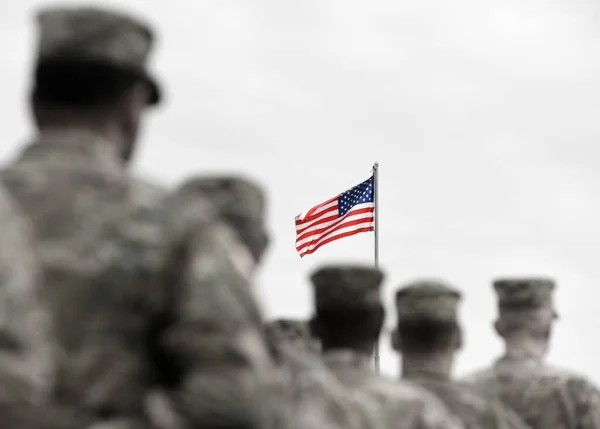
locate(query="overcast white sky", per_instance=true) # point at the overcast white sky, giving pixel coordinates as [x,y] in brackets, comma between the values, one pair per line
[483,116]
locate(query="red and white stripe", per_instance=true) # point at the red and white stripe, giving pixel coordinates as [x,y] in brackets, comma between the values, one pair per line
[321,225]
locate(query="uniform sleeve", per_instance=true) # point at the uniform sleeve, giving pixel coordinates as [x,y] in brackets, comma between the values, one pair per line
[586,403]
[27,369]
[208,324]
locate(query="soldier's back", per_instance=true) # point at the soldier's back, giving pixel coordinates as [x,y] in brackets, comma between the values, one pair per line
[402,404]
[305,394]
[98,237]
[542,395]
[470,407]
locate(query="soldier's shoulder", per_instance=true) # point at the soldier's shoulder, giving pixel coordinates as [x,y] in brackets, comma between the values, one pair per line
[560,372]
[308,395]
[471,406]
[189,209]
[576,383]
[404,390]
[558,376]
[413,404]
[462,399]
[147,193]
[477,376]
[296,359]
[145,213]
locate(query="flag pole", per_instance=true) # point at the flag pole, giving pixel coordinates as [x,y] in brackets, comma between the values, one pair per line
[376,228]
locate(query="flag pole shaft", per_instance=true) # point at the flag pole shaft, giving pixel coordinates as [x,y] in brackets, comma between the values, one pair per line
[376,251]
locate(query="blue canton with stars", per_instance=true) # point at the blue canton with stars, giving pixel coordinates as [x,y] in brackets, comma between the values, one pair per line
[360,194]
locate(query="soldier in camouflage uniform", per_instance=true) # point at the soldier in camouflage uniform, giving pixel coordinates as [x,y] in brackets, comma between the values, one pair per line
[545,397]
[232,317]
[134,279]
[302,394]
[348,321]
[428,335]
[240,204]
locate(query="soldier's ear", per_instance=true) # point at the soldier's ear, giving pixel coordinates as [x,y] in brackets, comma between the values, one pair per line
[459,339]
[395,338]
[497,327]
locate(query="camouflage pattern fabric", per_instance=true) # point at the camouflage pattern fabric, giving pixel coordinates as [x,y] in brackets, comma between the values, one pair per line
[400,404]
[221,275]
[544,397]
[26,346]
[305,394]
[467,404]
[188,201]
[346,287]
[431,299]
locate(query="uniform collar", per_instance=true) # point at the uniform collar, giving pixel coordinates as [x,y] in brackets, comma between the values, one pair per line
[80,145]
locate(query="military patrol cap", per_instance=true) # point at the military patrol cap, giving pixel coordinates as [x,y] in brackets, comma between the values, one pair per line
[231,195]
[97,36]
[427,299]
[240,202]
[347,286]
[524,292]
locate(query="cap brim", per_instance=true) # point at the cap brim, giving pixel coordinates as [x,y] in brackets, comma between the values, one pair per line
[155,90]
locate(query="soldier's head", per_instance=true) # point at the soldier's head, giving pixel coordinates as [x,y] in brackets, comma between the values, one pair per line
[348,308]
[293,333]
[525,307]
[427,318]
[90,73]
[240,203]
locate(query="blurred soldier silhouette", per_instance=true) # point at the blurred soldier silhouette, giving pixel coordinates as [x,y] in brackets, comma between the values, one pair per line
[542,395]
[428,335]
[133,276]
[348,320]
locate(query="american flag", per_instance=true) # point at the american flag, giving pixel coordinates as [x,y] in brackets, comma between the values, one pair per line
[346,214]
